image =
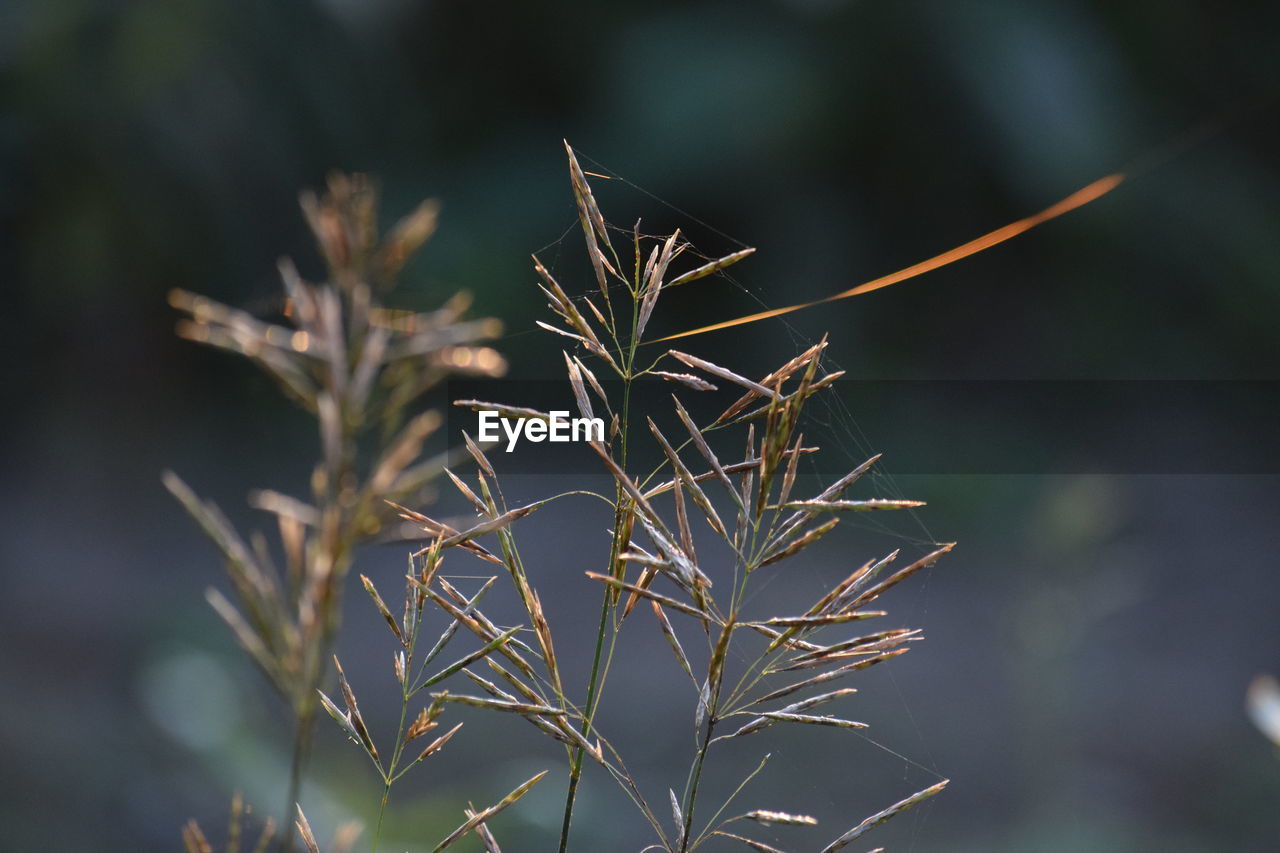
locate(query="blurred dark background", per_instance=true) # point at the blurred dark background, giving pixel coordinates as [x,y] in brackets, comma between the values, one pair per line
[1089,642]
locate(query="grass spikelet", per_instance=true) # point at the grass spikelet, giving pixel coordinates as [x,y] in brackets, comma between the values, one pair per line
[305,833]
[881,816]
[592,381]
[502,705]
[342,718]
[705,449]
[792,713]
[852,506]
[480,817]
[353,710]
[438,744]
[710,268]
[767,818]
[722,372]
[382,607]
[476,453]
[579,387]
[687,479]
[543,630]
[775,378]
[497,642]
[815,701]
[697,383]
[658,598]
[466,492]
[830,675]
[669,633]
[482,832]
[593,227]
[900,575]
[758,846]
[420,726]
[813,720]
[798,544]
[676,815]
[821,620]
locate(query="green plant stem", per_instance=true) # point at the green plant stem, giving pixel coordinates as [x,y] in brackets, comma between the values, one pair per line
[382,812]
[595,686]
[575,766]
[713,712]
[406,692]
[301,748]
[694,778]
[389,776]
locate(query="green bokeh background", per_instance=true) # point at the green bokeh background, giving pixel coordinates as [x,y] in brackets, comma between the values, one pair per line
[1091,640]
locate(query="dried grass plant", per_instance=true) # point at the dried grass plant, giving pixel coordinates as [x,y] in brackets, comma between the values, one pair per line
[358,367]
[794,669]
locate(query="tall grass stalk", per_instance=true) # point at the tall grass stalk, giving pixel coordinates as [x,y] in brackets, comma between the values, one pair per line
[358,368]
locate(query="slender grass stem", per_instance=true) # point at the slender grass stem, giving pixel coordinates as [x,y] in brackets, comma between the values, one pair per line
[382,812]
[596,683]
[406,692]
[390,775]
[595,686]
[575,767]
[695,777]
[301,749]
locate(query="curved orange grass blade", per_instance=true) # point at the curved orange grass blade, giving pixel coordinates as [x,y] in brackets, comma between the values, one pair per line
[1079,198]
